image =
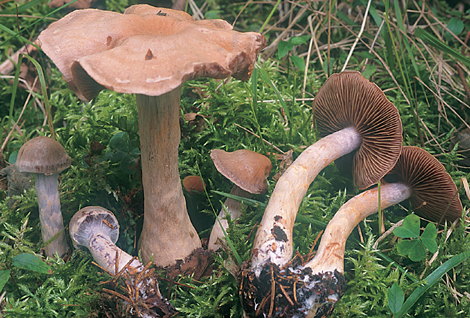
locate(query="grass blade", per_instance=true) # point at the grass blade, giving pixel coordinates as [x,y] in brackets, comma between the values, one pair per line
[436,43]
[432,279]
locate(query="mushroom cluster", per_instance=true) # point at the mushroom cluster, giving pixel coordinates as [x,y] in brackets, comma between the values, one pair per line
[151,52]
[273,284]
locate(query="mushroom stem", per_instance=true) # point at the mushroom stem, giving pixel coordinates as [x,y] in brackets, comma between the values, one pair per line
[106,254]
[234,207]
[330,253]
[167,230]
[49,213]
[273,241]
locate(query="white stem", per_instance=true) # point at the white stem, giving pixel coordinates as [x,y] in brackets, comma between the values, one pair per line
[106,254]
[273,241]
[234,207]
[330,253]
[47,191]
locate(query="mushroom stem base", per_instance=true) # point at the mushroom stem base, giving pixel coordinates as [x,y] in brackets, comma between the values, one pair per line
[167,232]
[298,292]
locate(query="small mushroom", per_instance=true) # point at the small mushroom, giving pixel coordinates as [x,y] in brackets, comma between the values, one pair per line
[96,229]
[151,52]
[419,177]
[193,184]
[46,158]
[357,122]
[248,171]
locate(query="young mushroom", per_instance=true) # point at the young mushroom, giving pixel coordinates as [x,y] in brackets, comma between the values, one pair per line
[419,177]
[356,121]
[248,171]
[151,52]
[96,229]
[46,158]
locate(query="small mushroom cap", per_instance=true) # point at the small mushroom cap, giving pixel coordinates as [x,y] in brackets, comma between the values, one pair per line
[348,99]
[92,220]
[146,50]
[193,184]
[434,195]
[246,168]
[42,155]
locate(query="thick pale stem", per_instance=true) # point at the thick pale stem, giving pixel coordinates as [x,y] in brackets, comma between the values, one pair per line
[273,241]
[52,223]
[167,231]
[235,209]
[330,253]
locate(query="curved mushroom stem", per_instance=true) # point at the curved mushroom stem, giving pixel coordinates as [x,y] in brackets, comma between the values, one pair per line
[273,241]
[52,223]
[167,230]
[320,283]
[113,259]
[107,254]
[330,253]
[234,207]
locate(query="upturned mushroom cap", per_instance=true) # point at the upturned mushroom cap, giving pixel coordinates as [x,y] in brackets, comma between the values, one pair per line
[90,221]
[434,195]
[348,99]
[42,155]
[246,168]
[146,50]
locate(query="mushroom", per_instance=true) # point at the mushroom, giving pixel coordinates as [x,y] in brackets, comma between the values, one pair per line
[96,229]
[248,171]
[151,52]
[420,178]
[46,158]
[193,184]
[357,121]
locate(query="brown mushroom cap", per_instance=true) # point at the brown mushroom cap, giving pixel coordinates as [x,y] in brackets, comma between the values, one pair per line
[246,168]
[42,155]
[193,184]
[146,50]
[348,99]
[434,195]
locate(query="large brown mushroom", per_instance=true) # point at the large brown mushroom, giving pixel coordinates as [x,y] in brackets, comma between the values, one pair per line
[356,118]
[419,177]
[150,52]
[248,171]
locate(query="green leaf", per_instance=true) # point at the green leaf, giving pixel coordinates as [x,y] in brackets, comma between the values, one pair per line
[414,249]
[298,62]
[31,262]
[283,48]
[409,228]
[396,296]
[298,40]
[455,26]
[12,157]
[4,276]
[212,14]
[370,69]
[429,237]
[432,279]
[120,141]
